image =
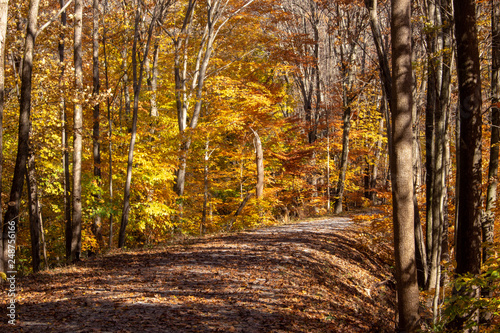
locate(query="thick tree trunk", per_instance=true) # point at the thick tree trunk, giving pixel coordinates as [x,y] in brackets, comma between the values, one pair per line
[76,238]
[4,8]
[12,213]
[468,242]
[402,167]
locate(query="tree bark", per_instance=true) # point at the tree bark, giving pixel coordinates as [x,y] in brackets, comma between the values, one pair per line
[137,78]
[12,213]
[491,194]
[34,211]
[468,242]
[4,8]
[76,238]
[402,167]
[65,146]
[96,151]
[259,162]
[110,125]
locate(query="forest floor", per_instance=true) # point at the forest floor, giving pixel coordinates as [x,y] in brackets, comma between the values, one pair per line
[316,276]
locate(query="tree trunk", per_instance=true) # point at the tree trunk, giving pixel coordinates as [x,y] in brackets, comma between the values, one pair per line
[65,147]
[153,81]
[137,77]
[12,213]
[76,238]
[430,136]
[110,126]
[34,211]
[343,159]
[4,8]
[491,194]
[259,161]
[402,167]
[96,152]
[468,243]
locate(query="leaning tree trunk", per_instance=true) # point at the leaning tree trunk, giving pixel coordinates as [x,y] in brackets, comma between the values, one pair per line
[12,213]
[402,167]
[468,238]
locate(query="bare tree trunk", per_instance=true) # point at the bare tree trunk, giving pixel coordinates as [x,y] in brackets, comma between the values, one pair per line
[153,81]
[137,77]
[491,194]
[76,238]
[35,223]
[12,213]
[4,8]
[96,152]
[402,167]
[206,194]
[42,235]
[343,159]
[430,137]
[468,243]
[65,147]
[259,161]
[110,125]
[488,220]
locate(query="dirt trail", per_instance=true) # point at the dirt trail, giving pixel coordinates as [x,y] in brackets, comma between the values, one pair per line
[309,277]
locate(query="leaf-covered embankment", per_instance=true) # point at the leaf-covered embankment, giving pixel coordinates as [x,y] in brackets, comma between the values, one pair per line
[310,277]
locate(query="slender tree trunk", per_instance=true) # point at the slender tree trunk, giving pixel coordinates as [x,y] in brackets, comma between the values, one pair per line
[153,81]
[12,213]
[206,194]
[42,235]
[343,159]
[259,161]
[137,77]
[35,223]
[402,167]
[468,234]
[4,7]
[96,152]
[491,194]
[110,125]
[65,146]
[430,137]
[76,238]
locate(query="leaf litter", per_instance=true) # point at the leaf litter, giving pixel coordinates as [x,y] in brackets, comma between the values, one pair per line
[316,276]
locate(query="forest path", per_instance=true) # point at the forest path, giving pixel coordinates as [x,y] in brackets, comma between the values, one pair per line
[317,276]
